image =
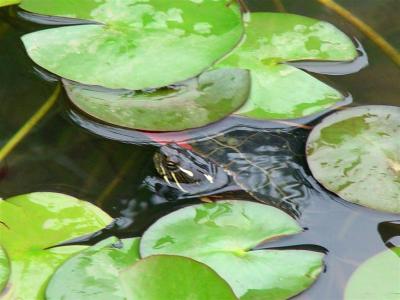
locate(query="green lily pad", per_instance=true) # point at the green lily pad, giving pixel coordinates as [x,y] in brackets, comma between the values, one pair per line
[8,2]
[281,91]
[195,103]
[138,45]
[30,224]
[4,269]
[355,154]
[94,271]
[222,235]
[377,278]
[165,277]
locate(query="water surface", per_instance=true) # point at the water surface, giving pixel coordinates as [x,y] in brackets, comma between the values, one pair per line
[61,156]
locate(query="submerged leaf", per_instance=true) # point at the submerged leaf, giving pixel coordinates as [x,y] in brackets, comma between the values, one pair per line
[94,271]
[4,269]
[173,277]
[280,91]
[222,235]
[195,103]
[355,153]
[34,222]
[138,44]
[377,278]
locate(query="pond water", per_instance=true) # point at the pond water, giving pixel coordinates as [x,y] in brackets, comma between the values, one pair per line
[68,153]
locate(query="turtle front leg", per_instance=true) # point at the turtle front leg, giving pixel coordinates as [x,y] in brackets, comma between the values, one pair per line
[243,6]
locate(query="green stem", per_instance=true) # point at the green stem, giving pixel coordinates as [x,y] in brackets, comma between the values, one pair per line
[30,124]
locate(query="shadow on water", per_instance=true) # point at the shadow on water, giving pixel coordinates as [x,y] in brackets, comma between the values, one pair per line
[113,167]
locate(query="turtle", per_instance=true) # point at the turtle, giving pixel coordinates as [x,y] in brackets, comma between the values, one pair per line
[243,163]
[267,165]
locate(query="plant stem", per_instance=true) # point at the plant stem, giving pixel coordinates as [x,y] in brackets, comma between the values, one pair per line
[28,126]
[374,36]
[115,182]
[279,5]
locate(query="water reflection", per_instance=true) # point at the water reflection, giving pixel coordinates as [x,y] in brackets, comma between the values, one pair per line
[49,20]
[87,163]
[336,68]
[224,126]
[390,233]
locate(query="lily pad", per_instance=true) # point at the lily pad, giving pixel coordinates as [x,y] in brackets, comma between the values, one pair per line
[173,277]
[30,224]
[222,235]
[195,103]
[377,278]
[137,44]
[355,154]
[8,2]
[94,272]
[4,269]
[281,91]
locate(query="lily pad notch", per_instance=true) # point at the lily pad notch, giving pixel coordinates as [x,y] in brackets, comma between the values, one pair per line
[222,234]
[119,53]
[279,90]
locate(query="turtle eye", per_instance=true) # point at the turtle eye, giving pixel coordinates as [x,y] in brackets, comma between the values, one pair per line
[171,165]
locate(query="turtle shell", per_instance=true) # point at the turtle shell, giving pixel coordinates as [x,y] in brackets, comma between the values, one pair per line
[268,164]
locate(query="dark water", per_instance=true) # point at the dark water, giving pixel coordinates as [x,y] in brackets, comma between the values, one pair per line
[59,155]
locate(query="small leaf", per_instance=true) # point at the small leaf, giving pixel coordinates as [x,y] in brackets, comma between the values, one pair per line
[377,278]
[136,45]
[355,154]
[4,269]
[222,235]
[94,271]
[174,277]
[195,103]
[29,224]
[280,91]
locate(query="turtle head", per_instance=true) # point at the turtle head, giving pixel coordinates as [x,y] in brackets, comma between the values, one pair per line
[181,166]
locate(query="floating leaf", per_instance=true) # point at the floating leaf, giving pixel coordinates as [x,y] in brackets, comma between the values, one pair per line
[4,269]
[355,154]
[94,271]
[8,2]
[222,234]
[377,278]
[281,91]
[174,277]
[195,103]
[30,224]
[284,92]
[138,44]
